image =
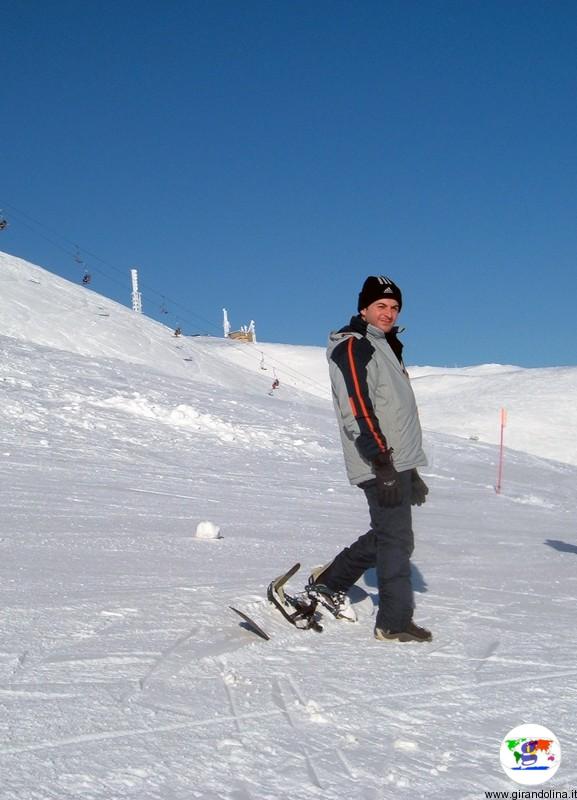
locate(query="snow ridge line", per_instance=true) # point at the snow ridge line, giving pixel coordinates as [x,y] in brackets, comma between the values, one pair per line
[121,734]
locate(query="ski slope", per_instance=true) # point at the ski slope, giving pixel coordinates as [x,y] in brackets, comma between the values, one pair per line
[123,673]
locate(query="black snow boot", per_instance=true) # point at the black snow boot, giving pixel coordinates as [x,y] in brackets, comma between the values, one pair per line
[412,633]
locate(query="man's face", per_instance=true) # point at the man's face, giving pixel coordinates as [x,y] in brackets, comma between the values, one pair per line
[382,314]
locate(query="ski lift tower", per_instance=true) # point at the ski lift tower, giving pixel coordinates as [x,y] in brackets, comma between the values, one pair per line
[225,323]
[136,296]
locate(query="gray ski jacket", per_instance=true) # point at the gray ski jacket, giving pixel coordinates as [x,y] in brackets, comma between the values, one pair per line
[373,399]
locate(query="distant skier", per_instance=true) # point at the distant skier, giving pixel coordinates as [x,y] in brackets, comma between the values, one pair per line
[382,444]
[275,385]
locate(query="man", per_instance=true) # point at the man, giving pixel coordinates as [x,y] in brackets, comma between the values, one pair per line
[382,444]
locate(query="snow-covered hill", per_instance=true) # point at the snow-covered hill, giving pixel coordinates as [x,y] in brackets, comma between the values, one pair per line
[38,307]
[541,406]
[123,674]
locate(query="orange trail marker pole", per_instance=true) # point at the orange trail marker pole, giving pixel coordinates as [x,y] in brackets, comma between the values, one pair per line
[500,474]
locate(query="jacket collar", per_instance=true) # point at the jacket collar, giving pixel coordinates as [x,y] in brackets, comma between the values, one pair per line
[358,325]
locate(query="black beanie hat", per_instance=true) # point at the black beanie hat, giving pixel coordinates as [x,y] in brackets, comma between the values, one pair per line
[379,287]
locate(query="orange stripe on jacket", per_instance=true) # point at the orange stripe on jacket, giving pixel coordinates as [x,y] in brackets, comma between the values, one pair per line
[365,413]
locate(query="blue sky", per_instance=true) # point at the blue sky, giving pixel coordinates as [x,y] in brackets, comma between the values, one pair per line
[267,156]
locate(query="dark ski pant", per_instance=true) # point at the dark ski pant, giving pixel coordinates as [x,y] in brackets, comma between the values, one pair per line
[388,546]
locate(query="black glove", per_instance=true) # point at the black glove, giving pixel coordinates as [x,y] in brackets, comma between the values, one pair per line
[388,480]
[419,489]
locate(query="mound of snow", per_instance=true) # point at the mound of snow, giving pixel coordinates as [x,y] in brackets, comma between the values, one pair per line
[207,530]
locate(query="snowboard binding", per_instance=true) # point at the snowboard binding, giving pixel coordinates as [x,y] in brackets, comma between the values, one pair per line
[299,612]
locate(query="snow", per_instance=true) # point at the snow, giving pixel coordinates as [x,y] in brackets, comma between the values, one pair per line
[123,672]
[207,530]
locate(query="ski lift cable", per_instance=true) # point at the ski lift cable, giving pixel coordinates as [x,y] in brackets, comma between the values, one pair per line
[74,250]
[290,371]
[70,252]
[145,289]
